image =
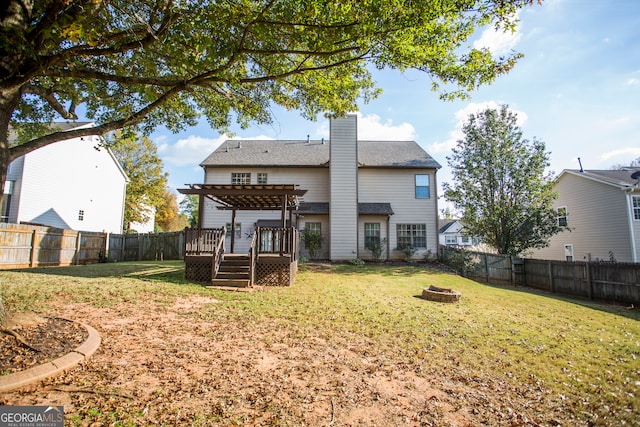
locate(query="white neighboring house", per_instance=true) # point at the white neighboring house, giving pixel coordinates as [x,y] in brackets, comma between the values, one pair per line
[68,184]
[602,210]
[358,192]
[451,233]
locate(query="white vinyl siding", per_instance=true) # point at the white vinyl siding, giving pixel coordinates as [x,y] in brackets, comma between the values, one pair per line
[59,180]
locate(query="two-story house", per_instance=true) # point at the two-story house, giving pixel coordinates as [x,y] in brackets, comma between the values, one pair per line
[358,192]
[69,185]
[602,210]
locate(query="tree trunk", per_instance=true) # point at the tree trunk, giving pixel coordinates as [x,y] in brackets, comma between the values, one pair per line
[3,315]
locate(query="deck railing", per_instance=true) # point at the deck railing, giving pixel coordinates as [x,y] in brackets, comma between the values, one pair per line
[217,256]
[203,241]
[277,240]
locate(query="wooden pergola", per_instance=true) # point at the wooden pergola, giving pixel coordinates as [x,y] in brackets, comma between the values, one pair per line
[282,197]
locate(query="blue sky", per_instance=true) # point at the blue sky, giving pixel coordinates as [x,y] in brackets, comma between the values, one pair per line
[577,89]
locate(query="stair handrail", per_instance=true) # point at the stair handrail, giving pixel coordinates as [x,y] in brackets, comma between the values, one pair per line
[218,254]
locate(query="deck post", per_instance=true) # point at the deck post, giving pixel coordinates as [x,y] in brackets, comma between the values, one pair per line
[233,231]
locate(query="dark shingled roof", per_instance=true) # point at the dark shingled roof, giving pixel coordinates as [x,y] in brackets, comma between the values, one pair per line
[375,209]
[393,154]
[621,178]
[313,208]
[363,208]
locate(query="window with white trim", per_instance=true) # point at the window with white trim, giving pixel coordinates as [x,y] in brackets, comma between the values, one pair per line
[414,235]
[636,207]
[450,239]
[371,234]
[81,215]
[422,187]
[262,178]
[563,221]
[240,178]
[568,252]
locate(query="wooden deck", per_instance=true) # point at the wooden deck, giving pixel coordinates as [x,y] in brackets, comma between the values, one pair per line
[206,262]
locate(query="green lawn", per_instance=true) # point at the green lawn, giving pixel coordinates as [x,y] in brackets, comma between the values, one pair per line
[575,360]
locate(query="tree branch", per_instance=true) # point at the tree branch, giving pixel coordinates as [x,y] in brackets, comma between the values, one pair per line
[131,120]
[48,96]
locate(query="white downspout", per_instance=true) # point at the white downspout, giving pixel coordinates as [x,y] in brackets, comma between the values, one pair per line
[634,253]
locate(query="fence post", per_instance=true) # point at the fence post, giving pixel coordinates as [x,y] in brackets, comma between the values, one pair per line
[140,247]
[588,277]
[550,266]
[77,254]
[181,244]
[32,255]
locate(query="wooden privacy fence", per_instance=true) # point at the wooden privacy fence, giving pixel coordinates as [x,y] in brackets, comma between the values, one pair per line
[604,281]
[24,246]
[146,247]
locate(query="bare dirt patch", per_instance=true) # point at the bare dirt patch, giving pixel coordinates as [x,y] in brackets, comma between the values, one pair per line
[163,364]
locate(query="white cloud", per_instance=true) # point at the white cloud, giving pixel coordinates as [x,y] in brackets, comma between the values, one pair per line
[371,128]
[633,82]
[499,41]
[192,149]
[629,153]
[462,116]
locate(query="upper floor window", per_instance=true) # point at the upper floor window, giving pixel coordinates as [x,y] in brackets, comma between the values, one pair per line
[240,178]
[262,178]
[636,208]
[422,187]
[81,215]
[562,217]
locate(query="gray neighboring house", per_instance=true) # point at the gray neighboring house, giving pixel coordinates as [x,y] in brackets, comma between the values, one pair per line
[358,192]
[602,209]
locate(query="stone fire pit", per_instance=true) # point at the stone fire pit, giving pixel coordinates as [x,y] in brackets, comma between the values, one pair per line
[433,293]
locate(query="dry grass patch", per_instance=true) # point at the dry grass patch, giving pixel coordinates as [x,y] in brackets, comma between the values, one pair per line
[344,345]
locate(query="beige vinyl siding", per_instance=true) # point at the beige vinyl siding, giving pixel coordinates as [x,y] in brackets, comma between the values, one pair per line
[597,216]
[397,187]
[343,185]
[314,180]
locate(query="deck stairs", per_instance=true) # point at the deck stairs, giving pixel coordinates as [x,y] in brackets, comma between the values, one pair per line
[234,271]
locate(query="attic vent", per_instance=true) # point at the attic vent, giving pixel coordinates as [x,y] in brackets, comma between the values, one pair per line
[239,144]
[308,139]
[322,141]
[226,149]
